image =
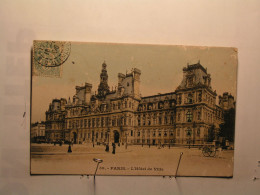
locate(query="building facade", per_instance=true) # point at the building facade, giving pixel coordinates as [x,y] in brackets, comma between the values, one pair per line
[189,115]
[37,131]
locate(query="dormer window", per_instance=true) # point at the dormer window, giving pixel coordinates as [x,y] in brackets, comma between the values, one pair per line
[190,81]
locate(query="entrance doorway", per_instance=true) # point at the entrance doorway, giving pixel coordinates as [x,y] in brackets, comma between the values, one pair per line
[116,137]
[74,137]
[153,141]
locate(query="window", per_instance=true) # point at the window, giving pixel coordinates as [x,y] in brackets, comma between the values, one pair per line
[131,132]
[171,119]
[81,123]
[85,123]
[165,134]
[138,133]
[153,133]
[179,99]
[98,122]
[160,120]
[200,97]
[165,120]
[171,133]
[159,134]
[93,122]
[189,99]
[154,121]
[139,122]
[143,121]
[189,132]
[198,131]
[190,81]
[89,122]
[102,122]
[189,116]
[199,115]
[127,84]
[179,116]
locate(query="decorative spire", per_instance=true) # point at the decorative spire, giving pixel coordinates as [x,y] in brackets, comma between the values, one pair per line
[103,87]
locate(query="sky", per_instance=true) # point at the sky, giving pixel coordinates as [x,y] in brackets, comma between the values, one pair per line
[161,70]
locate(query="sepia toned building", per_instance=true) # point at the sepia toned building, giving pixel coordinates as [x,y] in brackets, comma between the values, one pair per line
[37,131]
[188,115]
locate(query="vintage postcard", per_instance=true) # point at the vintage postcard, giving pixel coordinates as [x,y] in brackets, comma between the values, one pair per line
[132,109]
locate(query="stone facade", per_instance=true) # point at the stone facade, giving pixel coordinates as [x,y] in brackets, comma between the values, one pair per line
[189,115]
[37,130]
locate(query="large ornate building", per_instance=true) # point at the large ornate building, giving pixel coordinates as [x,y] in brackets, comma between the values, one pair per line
[189,115]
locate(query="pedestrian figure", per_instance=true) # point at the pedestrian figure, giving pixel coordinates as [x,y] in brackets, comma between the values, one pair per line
[69,149]
[119,144]
[114,149]
[149,145]
[107,148]
[169,146]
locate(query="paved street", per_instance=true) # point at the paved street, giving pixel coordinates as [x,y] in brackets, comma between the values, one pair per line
[135,160]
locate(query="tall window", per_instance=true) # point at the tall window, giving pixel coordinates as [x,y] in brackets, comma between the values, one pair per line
[199,115]
[200,97]
[179,99]
[189,98]
[189,116]
[160,120]
[85,123]
[179,116]
[165,120]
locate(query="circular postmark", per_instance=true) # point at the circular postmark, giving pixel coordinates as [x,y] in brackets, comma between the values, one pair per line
[51,53]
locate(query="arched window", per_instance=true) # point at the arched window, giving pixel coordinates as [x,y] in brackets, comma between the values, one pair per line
[189,116]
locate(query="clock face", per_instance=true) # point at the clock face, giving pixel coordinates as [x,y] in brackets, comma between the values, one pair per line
[51,53]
